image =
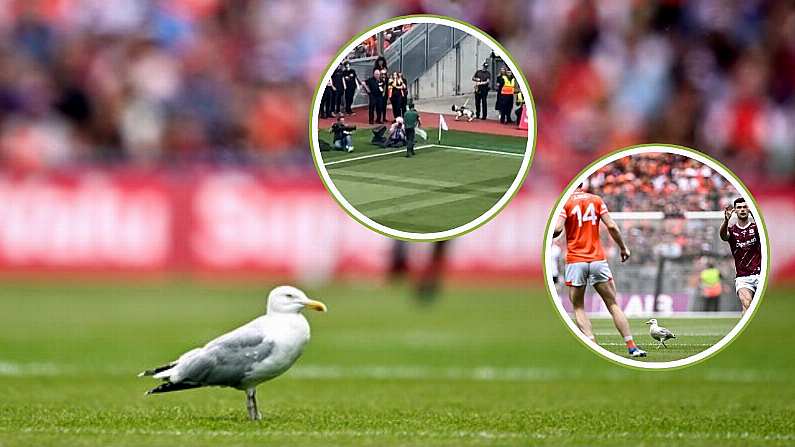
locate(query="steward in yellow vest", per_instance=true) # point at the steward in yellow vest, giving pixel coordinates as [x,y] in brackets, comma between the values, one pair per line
[506,86]
[711,287]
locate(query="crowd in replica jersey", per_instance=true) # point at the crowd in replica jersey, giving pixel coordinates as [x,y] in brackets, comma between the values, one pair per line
[672,184]
[661,182]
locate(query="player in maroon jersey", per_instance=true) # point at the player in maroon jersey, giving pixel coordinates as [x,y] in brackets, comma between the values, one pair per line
[746,248]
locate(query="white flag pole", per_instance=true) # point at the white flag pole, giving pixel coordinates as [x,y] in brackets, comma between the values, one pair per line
[442,126]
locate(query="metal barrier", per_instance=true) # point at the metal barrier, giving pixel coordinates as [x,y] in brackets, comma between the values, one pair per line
[412,54]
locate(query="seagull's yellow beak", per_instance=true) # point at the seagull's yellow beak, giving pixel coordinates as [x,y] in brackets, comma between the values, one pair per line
[315,305]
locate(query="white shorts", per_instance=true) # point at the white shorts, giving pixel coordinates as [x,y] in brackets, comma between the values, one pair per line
[584,273]
[750,282]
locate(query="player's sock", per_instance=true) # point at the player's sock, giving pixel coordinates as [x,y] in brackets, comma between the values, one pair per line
[631,346]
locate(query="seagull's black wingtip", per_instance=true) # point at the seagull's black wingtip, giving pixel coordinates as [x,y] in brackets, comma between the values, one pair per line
[168,387]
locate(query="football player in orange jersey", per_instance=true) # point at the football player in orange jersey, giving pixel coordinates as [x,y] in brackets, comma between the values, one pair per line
[586,261]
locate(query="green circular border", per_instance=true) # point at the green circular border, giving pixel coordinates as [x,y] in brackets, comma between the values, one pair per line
[552,294]
[367,32]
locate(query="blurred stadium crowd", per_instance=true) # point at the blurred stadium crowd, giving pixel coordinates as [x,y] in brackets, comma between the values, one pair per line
[160,82]
[672,184]
[674,239]
[669,183]
[370,47]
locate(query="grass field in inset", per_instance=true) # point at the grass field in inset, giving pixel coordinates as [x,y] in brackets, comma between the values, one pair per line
[484,365]
[693,335]
[442,187]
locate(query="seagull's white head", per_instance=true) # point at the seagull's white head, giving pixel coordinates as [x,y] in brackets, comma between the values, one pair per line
[653,322]
[290,300]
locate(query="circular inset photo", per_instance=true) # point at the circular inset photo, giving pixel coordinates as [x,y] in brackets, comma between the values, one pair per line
[656,256]
[422,128]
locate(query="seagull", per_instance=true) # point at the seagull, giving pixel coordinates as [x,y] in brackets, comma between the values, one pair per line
[659,333]
[254,353]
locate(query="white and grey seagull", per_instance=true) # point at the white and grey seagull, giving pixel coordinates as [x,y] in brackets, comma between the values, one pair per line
[254,353]
[659,333]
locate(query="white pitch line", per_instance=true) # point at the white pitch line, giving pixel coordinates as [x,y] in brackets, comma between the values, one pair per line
[424,146]
[410,372]
[695,315]
[670,343]
[678,334]
[471,149]
[380,154]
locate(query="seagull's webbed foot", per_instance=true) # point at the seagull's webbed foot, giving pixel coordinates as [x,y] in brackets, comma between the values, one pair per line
[251,404]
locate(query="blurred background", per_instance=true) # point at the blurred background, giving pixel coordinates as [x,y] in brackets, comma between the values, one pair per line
[172,136]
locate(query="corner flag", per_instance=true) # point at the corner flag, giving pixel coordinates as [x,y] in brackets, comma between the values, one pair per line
[442,126]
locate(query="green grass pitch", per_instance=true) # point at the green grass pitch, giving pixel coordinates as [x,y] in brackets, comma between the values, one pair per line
[439,189]
[484,365]
[693,335]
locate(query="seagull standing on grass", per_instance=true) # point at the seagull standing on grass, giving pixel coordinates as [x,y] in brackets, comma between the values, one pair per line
[659,333]
[247,356]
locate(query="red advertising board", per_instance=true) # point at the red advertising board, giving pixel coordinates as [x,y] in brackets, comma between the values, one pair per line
[228,222]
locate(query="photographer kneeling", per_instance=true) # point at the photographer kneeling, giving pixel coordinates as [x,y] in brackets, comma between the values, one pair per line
[397,134]
[342,135]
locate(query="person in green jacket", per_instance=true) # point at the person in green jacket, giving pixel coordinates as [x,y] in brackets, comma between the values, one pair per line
[411,120]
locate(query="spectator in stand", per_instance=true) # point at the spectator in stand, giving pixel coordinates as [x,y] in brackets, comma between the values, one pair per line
[371,46]
[181,81]
[388,38]
[661,182]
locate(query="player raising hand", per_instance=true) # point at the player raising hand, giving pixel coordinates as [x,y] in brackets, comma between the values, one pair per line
[746,248]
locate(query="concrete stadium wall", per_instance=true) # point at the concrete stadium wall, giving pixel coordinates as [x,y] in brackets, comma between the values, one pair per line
[453,73]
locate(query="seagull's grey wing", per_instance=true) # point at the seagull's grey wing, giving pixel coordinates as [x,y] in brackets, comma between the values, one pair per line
[227,359]
[654,334]
[666,333]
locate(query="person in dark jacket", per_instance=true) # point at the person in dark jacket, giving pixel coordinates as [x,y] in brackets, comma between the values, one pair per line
[375,95]
[380,64]
[397,94]
[325,101]
[498,84]
[482,79]
[384,85]
[339,91]
[351,83]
